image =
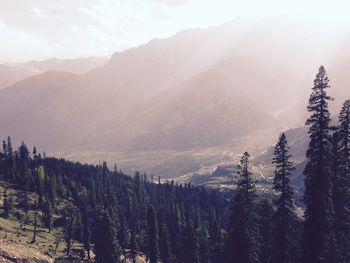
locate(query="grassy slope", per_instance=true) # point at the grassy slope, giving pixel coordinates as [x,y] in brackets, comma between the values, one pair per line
[16,237]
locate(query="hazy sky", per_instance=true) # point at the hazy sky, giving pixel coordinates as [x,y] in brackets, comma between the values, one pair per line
[39,29]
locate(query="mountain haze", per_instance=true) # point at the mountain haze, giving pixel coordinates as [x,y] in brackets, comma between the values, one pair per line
[200,88]
[10,73]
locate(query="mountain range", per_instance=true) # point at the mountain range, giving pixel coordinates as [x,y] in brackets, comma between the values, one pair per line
[10,73]
[200,90]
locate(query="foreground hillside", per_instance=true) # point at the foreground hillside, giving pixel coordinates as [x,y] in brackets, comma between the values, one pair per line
[59,208]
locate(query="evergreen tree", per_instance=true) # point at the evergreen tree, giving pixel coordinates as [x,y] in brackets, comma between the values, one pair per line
[69,229]
[26,207]
[164,245]
[265,212]
[341,185]
[133,245]
[24,164]
[80,192]
[217,243]
[35,222]
[204,244]
[107,249]
[244,240]
[152,235]
[47,215]
[10,161]
[190,245]
[319,242]
[8,206]
[284,238]
[86,233]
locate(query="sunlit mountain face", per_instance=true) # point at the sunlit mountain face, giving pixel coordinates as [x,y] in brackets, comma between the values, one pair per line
[200,90]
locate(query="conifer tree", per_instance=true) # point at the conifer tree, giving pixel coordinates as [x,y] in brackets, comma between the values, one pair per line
[341,184]
[106,248]
[71,214]
[86,233]
[24,165]
[8,206]
[152,235]
[319,242]
[265,212]
[133,245]
[164,245]
[47,215]
[284,238]
[10,161]
[26,207]
[190,245]
[35,222]
[244,240]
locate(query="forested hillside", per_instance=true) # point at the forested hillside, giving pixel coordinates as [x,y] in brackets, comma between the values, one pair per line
[109,212]
[103,215]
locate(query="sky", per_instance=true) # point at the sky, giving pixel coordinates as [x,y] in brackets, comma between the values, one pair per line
[41,29]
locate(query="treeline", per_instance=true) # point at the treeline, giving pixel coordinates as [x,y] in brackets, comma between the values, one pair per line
[118,216]
[112,214]
[324,233]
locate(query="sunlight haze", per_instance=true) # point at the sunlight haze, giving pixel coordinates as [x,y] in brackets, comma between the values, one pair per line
[83,28]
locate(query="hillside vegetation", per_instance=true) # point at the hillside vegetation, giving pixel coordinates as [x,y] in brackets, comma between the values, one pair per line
[53,207]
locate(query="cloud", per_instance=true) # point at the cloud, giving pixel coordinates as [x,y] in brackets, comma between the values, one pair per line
[90,27]
[13,47]
[161,13]
[56,12]
[36,12]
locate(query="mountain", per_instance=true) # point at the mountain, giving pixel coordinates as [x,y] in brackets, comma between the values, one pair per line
[10,73]
[210,109]
[202,90]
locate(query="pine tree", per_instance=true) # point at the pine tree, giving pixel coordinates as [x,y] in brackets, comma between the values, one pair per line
[190,244]
[106,248]
[24,165]
[35,223]
[71,214]
[284,238]
[265,212]
[244,240]
[164,244]
[10,161]
[8,206]
[152,235]
[215,238]
[341,183]
[86,232]
[133,245]
[26,207]
[123,234]
[47,215]
[204,244]
[319,242]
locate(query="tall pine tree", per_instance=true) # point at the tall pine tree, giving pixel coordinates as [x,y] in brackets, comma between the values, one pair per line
[190,249]
[341,185]
[319,244]
[244,240]
[106,248]
[152,235]
[284,239]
